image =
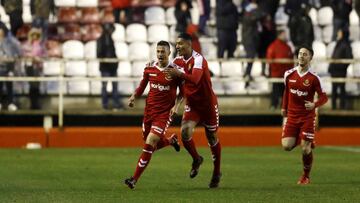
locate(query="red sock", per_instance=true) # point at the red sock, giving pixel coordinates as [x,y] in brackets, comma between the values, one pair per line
[307,163]
[190,147]
[162,143]
[143,160]
[216,154]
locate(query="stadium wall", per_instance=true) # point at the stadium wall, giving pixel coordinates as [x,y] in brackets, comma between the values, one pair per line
[12,137]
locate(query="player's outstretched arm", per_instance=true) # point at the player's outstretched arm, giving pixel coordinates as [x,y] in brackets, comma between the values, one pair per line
[131,101]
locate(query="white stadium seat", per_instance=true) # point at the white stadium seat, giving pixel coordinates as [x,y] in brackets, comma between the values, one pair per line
[52,87]
[122,50]
[136,32]
[281,18]
[139,51]
[26,15]
[154,15]
[65,3]
[231,69]
[354,32]
[93,69]
[157,33]
[73,49]
[256,69]
[327,33]
[209,50]
[325,16]
[119,33]
[170,16]
[4,17]
[240,51]
[318,33]
[260,85]
[76,68]
[234,87]
[214,67]
[126,87]
[356,53]
[95,87]
[217,86]
[313,15]
[354,18]
[319,49]
[124,69]
[87,3]
[330,49]
[51,67]
[90,50]
[78,87]
[326,84]
[137,69]
[195,13]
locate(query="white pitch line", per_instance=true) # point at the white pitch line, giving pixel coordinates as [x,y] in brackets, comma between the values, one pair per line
[348,149]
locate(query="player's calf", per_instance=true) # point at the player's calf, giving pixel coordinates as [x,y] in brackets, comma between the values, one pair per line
[174,141]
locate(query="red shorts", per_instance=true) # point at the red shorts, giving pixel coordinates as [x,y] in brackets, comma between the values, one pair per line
[155,124]
[208,117]
[303,128]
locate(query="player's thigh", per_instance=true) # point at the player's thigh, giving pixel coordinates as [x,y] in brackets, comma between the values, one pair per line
[308,129]
[210,121]
[191,118]
[290,134]
[146,127]
[159,127]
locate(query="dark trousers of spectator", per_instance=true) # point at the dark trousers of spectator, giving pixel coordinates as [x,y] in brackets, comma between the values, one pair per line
[338,24]
[8,98]
[128,15]
[16,21]
[34,87]
[227,40]
[42,23]
[115,92]
[204,17]
[335,95]
[277,92]
[251,52]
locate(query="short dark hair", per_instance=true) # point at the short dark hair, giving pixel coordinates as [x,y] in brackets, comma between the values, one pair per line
[308,48]
[185,36]
[163,43]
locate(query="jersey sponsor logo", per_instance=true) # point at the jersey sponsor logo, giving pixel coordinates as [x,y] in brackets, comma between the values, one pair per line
[306,83]
[298,92]
[292,80]
[160,87]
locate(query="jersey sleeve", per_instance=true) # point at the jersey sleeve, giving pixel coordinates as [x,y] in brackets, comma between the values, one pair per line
[321,93]
[194,77]
[285,98]
[143,83]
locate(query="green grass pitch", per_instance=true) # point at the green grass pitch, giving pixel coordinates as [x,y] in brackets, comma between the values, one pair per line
[259,174]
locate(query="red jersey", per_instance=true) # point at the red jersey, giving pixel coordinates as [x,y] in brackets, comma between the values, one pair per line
[162,94]
[300,88]
[197,88]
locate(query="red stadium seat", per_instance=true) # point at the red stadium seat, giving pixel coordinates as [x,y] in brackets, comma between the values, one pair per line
[104,3]
[53,32]
[53,48]
[91,32]
[108,16]
[71,32]
[22,32]
[90,15]
[67,15]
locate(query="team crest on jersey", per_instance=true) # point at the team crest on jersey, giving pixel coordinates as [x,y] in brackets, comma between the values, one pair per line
[306,83]
[168,77]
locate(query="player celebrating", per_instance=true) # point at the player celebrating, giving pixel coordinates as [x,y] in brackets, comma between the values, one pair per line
[201,104]
[298,109]
[161,104]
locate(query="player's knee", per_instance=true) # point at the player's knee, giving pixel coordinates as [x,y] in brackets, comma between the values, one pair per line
[152,139]
[185,135]
[211,137]
[288,147]
[306,149]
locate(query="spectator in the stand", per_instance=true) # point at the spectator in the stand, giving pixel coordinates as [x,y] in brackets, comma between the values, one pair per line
[122,11]
[278,49]
[182,15]
[267,35]
[9,47]
[14,8]
[34,48]
[342,50]
[204,9]
[40,10]
[227,22]
[293,7]
[357,7]
[106,49]
[250,33]
[301,28]
[269,7]
[341,19]
[193,30]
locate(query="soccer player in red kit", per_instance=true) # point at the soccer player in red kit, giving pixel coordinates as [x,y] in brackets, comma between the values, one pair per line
[201,104]
[161,104]
[298,109]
